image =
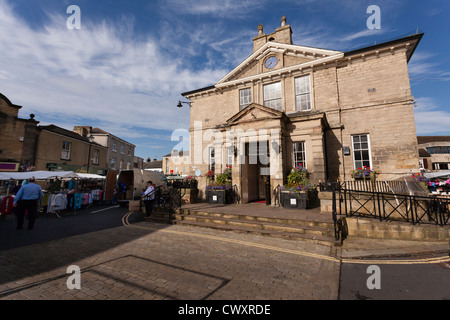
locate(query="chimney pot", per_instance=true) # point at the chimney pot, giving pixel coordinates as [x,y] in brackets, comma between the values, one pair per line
[260,30]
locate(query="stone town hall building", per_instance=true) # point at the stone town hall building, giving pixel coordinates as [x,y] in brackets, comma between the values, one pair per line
[330,111]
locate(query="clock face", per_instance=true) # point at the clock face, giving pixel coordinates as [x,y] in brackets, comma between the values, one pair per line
[271,62]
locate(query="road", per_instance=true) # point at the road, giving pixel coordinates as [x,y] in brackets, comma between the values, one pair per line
[244,266]
[49,227]
[406,278]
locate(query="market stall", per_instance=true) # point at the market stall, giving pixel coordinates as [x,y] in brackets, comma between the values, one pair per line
[65,190]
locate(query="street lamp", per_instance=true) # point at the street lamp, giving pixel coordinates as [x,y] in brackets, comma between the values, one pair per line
[91,139]
[180,103]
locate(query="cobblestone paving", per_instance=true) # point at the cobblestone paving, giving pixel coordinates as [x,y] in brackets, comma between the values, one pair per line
[148,261]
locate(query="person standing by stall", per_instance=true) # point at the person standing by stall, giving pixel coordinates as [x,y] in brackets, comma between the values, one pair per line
[27,199]
[149,198]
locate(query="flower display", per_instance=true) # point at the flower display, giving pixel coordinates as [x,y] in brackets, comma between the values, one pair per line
[218,186]
[222,181]
[365,173]
[298,180]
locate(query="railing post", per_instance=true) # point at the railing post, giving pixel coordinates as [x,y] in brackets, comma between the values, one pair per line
[379,207]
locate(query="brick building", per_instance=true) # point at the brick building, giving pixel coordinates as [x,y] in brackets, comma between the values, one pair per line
[434,153]
[120,153]
[330,111]
[64,150]
[17,137]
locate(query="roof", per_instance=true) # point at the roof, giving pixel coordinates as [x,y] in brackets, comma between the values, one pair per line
[428,139]
[103,132]
[423,153]
[3,97]
[153,164]
[180,153]
[410,51]
[67,133]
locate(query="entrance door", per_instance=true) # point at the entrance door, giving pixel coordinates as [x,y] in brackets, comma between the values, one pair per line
[254,174]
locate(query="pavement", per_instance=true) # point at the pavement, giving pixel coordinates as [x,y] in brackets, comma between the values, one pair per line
[149,261]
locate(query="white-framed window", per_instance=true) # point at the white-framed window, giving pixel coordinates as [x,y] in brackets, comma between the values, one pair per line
[113,163]
[122,149]
[273,95]
[212,159]
[361,151]
[65,152]
[230,155]
[114,146]
[299,153]
[128,165]
[96,156]
[303,93]
[245,98]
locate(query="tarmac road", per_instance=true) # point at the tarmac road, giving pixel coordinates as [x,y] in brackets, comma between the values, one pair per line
[49,227]
[419,277]
[124,258]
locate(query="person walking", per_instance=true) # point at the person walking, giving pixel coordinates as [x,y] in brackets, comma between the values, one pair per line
[27,199]
[149,198]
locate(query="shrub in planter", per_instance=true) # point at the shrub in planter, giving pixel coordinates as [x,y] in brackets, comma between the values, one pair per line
[299,192]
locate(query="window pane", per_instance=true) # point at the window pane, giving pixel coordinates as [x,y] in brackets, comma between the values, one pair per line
[303,93]
[245,98]
[272,95]
[299,154]
[361,151]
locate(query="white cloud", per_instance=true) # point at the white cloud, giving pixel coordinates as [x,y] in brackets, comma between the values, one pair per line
[429,118]
[95,73]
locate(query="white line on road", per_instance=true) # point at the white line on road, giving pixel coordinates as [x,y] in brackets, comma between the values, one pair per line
[105,209]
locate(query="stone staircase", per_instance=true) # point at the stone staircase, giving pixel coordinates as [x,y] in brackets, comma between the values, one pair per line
[319,231]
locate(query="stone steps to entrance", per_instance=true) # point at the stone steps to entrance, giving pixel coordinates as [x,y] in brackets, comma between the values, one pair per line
[294,226]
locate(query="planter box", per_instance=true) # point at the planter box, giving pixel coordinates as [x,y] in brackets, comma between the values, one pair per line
[218,196]
[299,200]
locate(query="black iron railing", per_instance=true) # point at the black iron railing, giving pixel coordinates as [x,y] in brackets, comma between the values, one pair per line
[396,207]
[167,199]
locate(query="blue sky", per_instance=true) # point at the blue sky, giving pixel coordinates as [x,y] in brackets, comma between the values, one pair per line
[125,69]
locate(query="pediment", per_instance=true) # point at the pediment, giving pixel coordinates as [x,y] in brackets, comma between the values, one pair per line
[289,56]
[254,112]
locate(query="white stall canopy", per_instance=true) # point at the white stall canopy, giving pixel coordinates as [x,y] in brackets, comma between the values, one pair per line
[47,175]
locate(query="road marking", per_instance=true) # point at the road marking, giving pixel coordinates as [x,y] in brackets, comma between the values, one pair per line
[105,209]
[399,261]
[297,252]
[246,243]
[125,218]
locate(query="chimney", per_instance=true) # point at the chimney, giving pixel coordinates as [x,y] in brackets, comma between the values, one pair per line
[283,21]
[260,30]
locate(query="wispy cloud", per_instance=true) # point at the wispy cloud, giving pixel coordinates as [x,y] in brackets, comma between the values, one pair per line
[430,117]
[426,66]
[96,73]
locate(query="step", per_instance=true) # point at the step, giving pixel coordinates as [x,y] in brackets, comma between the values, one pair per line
[317,239]
[160,217]
[256,224]
[299,222]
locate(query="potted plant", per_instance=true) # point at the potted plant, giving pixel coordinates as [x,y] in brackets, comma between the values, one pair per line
[219,191]
[299,192]
[365,173]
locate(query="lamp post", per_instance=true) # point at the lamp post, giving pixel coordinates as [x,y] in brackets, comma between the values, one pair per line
[90,138]
[180,103]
